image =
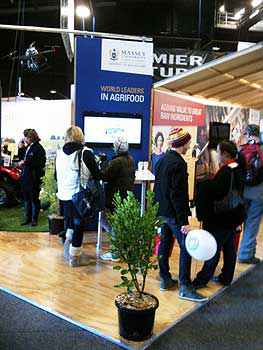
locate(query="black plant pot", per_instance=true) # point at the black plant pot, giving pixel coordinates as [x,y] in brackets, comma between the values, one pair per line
[55,224]
[136,325]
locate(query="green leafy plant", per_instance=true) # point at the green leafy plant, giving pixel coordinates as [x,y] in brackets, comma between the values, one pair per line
[132,239]
[48,192]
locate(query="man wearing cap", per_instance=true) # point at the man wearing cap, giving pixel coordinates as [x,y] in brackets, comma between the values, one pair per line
[253,193]
[171,191]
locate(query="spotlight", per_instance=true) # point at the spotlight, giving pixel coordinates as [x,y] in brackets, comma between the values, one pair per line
[64,11]
[83,11]
[215,48]
[53,92]
[222,9]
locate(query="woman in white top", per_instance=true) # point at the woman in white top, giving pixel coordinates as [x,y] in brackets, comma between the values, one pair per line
[68,181]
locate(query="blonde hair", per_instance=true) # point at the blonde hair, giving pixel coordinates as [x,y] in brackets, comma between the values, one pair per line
[74,134]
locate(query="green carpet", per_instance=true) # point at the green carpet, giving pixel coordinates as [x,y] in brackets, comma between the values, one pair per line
[11,218]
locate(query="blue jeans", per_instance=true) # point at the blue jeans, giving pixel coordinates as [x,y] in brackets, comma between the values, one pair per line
[248,244]
[169,229]
[31,203]
[73,221]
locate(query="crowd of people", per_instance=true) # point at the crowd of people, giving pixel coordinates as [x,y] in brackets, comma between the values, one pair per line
[239,178]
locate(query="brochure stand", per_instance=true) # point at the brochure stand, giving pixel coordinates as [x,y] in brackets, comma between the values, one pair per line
[142,177]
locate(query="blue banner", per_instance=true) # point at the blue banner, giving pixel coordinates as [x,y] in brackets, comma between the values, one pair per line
[106,85]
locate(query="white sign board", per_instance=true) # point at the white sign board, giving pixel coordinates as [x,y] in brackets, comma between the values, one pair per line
[127,56]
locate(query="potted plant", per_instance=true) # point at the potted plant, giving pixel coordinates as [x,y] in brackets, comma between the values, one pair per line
[132,239]
[49,200]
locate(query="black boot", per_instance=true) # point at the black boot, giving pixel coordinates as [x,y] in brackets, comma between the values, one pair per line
[26,222]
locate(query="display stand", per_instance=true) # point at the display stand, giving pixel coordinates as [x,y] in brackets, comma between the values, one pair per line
[143,177]
[99,232]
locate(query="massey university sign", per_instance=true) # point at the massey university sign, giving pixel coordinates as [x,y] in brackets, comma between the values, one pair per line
[170,62]
[127,57]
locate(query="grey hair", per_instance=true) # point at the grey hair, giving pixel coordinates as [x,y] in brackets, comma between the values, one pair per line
[120,145]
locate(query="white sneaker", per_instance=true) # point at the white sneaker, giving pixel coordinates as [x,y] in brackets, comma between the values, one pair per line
[75,261]
[66,249]
[74,256]
[108,257]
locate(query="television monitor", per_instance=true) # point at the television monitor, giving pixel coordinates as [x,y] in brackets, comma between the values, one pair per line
[217,133]
[103,129]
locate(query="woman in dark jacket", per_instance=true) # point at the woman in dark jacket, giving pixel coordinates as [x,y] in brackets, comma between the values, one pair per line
[221,224]
[33,168]
[119,175]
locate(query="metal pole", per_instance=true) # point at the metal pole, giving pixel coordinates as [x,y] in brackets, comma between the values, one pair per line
[200,18]
[0,122]
[76,32]
[19,86]
[98,245]
[93,23]
[83,23]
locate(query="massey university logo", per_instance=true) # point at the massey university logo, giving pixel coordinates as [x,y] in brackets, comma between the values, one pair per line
[114,54]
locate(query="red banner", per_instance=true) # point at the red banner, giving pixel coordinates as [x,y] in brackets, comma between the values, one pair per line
[175,111]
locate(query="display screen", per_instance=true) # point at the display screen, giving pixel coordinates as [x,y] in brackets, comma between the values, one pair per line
[105,130]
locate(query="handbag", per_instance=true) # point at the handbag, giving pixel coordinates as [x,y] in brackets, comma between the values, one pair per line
[90,199]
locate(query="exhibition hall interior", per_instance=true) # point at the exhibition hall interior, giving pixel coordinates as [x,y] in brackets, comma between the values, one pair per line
[131,174]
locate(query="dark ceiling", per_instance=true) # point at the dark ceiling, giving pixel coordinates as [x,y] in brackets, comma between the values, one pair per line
[172,23]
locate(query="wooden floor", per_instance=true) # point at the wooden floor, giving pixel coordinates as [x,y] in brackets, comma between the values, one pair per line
[32,266]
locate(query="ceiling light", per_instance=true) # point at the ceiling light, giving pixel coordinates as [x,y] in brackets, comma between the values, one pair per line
[83,11]
[53,91]
[257,86]
[239,14]
[215,48]
[244,81]
[222,9]
[255,3]
[230,76]
[253,14]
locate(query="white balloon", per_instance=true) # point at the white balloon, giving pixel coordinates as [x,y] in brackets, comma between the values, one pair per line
[201,245]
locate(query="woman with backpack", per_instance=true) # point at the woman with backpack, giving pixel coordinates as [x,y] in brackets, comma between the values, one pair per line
[68,162]
[220,208]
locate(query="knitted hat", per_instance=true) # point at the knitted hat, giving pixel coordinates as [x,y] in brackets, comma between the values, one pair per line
[178,137]
[120,145]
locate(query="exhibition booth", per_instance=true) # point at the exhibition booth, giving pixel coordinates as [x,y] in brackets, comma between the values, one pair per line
[114,97]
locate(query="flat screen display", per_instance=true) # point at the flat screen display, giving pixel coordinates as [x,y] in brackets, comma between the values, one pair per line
[104,130]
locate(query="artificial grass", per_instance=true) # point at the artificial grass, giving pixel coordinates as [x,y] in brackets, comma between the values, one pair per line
[11,218]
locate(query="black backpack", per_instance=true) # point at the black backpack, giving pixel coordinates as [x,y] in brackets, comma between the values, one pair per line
[232,206]
[252,164]
[89,201]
